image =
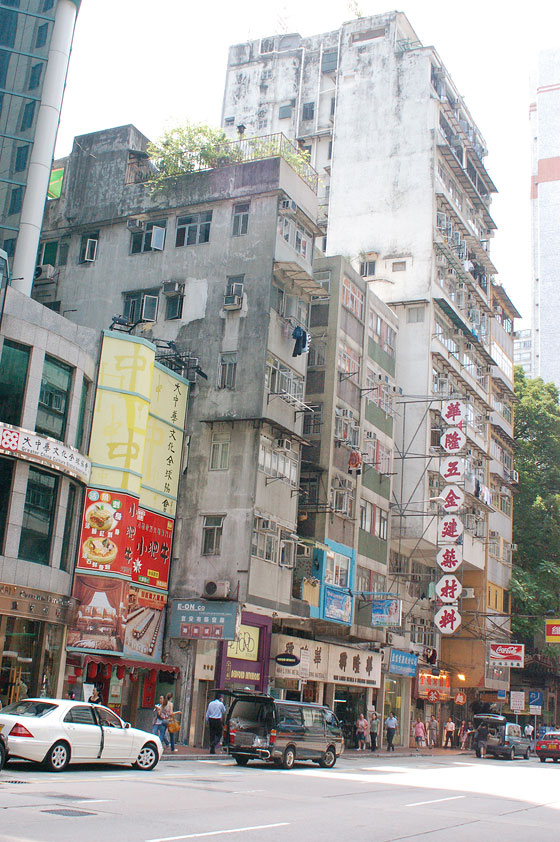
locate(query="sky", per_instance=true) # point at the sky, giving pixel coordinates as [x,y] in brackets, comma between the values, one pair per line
[158,63]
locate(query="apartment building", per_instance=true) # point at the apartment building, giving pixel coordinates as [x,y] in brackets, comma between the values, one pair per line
[545,201]
[405,194]
[35,43]
[523,350]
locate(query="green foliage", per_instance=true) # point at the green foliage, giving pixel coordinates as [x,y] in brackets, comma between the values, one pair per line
[186,149]
[535,585]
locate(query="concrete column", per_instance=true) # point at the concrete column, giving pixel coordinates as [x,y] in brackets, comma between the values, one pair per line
[43,146]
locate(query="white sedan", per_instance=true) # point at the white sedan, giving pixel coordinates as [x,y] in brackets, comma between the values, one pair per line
[56,732]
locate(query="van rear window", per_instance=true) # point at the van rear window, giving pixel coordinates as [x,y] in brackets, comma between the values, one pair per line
[246,714]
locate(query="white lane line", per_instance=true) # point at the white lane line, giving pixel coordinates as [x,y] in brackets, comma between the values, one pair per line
[219,832]
[93,800]
[436,800]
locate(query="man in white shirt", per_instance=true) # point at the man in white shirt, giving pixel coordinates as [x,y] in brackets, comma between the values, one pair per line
[214,717]
[449,733]
[391,724]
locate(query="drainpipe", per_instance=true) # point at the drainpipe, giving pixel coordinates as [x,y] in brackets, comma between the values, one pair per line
[43,146]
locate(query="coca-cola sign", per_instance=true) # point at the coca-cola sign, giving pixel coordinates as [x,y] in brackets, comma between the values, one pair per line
[507,655]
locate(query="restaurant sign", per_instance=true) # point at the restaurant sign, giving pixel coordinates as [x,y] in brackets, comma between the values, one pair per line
[201,619]
[45,451]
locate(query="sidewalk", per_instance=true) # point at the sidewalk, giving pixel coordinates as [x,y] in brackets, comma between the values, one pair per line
[197,753]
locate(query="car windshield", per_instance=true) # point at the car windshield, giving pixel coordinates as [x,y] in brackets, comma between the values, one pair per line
[29,707]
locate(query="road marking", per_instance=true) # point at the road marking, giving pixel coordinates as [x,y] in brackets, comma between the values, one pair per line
[436,800]
[93,800]
[219,832]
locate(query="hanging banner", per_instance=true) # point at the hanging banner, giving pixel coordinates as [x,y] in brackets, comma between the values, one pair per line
[453,498]
[386,612]
[449,589]
[452,469]
[447,620]
[454,413]
[450,557]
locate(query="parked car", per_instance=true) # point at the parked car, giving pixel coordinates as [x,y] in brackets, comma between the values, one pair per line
[549,746]
[3,750]
[56,732]
[505,739]
[260,727]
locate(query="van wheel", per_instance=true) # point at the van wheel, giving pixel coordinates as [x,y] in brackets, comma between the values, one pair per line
[240,760]
[527,754]
[289,758]
[542,759]
[511,755]
[328,759]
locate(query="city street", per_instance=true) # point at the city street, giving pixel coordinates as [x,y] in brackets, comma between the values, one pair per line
[374,798]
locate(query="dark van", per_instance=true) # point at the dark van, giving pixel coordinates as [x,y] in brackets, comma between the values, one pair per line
[260,727]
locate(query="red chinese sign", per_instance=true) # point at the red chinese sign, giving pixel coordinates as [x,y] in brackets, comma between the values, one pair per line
[449,589]
[449,529]
[433,696]
[454,413]
[450,558]
[107,534]
[452,469]
[152,549]
[447,620]
[460,698]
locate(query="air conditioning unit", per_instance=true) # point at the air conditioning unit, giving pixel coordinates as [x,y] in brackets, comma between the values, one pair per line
[514,476]
[135,225]
[172,287]
[389,637]
[232,302]
[216,589]
[284,444]
[288,204]
[493,534]
[468,593]
[45,272]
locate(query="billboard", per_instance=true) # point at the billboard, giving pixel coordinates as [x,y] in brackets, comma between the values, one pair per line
[386,612]
[106,537]
[507,655]
[338,605]
[196,619]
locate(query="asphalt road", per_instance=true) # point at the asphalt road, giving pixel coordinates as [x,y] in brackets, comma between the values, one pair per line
[373,798]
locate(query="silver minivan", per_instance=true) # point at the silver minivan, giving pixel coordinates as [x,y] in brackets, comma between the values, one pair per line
[260,727]
[505,739]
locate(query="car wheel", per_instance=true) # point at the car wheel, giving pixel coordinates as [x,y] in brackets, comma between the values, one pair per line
[58,757]
[328,759]
[289,758]
[240,760]
[542,759]
[511,755]
[555,760]
[3,756]
[147,759]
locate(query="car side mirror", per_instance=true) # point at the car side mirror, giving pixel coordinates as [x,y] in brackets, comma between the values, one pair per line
[127,725]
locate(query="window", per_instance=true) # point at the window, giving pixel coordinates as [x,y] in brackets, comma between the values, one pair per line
[14,364]
[380,523]
[8,27]
[398,266]
[317,354]
[174,307]
[323,278]
[27,116]
[88,247]
[308,111]
[353,298]
[54,398]
[280,379]
[35,76]
[81,715]
[82,413]
[212,534]
[234,285]
[38,517]
[284,112]
[48,253]
[41,38]
[227,370]
[264,542]
[48,4]
[366,516]
[22,156]
[329,61]
[367,268]
[16,199]
[70,528]
[150,239]
[313,421]
[337,569]
[193,229]
[219,453]
[107,718]
[267,45]
[6,472]
[240,219]
[141,306]
[415,314]
[349,360]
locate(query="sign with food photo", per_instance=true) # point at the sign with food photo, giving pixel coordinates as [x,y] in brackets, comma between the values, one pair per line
[108,533]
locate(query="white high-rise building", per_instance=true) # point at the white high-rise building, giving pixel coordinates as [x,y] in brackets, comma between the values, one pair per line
[545,198]
[405,196]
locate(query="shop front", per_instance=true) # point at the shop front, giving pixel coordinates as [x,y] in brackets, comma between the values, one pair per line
[397,685]
[243,662]
[343,677]
[32,635]
[432,691]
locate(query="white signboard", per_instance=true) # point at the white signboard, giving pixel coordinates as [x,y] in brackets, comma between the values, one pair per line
[517,701]
[450,557]
[453,440]
[449,529]
[454,412]
[23,444]
[453,498]
[452,469]
[449,588]
[304,663]
[327,662]
[447,619]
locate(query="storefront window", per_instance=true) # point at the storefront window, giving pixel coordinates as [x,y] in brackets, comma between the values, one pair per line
[394,702]
[30,661]
[14,363]
[38,517]
[6,471]
[54,399]
[71,526]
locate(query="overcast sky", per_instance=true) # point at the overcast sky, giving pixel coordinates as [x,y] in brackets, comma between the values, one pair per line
[151,63]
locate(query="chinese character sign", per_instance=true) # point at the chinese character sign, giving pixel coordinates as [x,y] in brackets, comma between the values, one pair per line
[454,413]
[449,589]
[450,557]
[14,441]
[453,498]
[452,469]
[152,549]
[447,620]
[453,440]
[450,528]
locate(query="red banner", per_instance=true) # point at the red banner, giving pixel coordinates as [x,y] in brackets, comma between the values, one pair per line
[108,531]
[152,549]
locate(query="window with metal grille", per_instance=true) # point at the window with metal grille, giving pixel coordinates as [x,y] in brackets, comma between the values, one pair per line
[227,370]
[308,111]
[212,534]
[193,229]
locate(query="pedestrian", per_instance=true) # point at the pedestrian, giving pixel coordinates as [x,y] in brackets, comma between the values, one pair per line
[433,730]
[463,734]
[160,721]
[95,698]
[470,734]
[169,715]
[419,733]
[528,732]
[392,725]
[481,740]
[373,731]
[449,733]
[156,718]
[362,729]
[214,717]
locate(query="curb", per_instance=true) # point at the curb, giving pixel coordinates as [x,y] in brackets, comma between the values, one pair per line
[172,758]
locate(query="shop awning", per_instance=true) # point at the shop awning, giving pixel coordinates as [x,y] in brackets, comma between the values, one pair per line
[131,663]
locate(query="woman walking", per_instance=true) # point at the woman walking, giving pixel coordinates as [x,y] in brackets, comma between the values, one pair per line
[373,731]
[433,728]
[168,714]
[419,733]
[362,729]
[463,734]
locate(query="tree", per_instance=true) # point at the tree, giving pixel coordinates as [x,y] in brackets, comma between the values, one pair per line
[535,584]
[188,148]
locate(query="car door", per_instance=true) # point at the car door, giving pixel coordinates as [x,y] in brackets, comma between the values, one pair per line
[117,740]
[290,728]
[83,732]
[314,724]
